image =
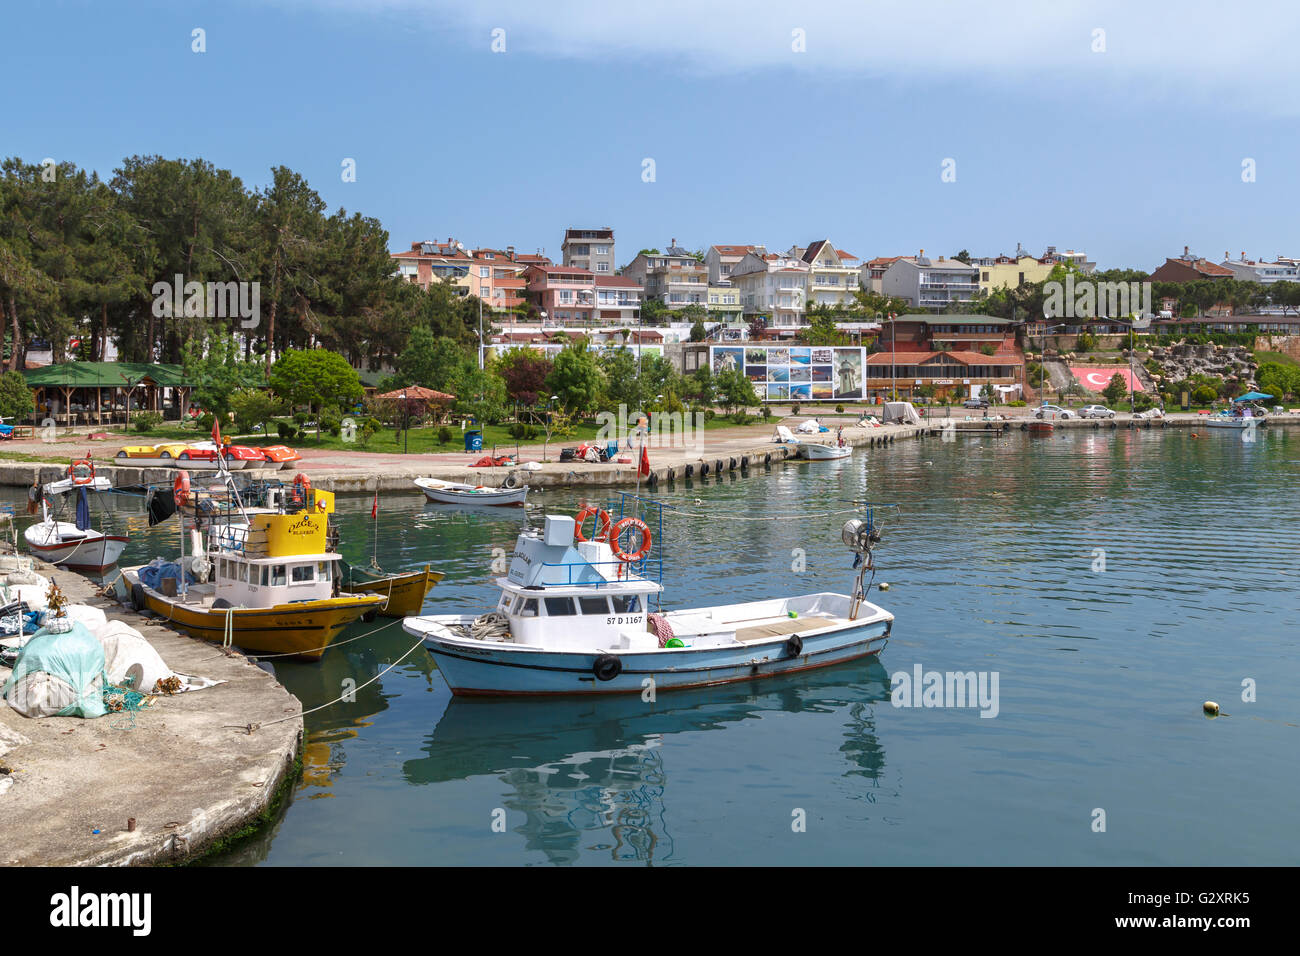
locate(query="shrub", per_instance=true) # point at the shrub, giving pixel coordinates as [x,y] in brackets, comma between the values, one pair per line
[444,435]
[839,409]
[145,422]
[1018,403]
[1204,395]
[204,422]
[1086,342]
[740,417]
[330,422]
[285,430]
[794,409]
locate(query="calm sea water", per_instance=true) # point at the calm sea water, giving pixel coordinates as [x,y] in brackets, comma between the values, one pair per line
[994,557]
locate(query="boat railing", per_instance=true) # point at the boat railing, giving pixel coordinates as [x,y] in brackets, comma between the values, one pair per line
[625,571]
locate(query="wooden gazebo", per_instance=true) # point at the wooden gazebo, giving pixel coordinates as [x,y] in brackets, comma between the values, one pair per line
[100,393]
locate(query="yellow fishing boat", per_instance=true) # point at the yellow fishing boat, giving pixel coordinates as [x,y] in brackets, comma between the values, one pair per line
[265,585]
[403,593]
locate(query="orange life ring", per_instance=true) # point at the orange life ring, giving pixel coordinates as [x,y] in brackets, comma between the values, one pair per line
[181,489]
[301,488]
[602,523]
[646,540]
[81,479]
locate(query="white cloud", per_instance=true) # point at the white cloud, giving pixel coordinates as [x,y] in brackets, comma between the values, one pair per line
[1238,57]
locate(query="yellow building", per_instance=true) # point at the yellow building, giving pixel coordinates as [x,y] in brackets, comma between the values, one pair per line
[1009,273]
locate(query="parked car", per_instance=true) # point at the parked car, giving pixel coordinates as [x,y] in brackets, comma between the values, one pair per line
[1053,411]
[975,403]
[1095,411]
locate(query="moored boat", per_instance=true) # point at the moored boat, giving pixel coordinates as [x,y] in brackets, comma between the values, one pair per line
[74,544]
[573,617]
[265,581]
[403,594]
[1041,428]
[457,493]
[817,451]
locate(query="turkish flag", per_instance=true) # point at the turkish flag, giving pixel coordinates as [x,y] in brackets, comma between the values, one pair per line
[216,431]
[374,507]
[643,469]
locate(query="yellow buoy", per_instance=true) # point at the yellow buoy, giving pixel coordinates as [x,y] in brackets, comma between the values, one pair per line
[1211,708]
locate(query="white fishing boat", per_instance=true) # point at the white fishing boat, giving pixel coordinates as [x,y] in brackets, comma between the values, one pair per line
[817,451]
[511,492]
[573,617]
[74,545]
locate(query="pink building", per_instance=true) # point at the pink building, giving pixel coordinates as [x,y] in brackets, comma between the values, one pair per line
[564,294]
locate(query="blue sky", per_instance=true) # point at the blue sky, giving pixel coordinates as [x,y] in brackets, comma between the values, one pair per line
[1129,153]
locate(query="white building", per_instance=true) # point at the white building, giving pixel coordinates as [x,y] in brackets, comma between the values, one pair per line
[773,287]
[1251,270]
[720,260]
[834,274]
[931,284]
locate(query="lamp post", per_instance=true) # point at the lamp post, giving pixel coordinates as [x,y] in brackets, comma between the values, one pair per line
[406,421]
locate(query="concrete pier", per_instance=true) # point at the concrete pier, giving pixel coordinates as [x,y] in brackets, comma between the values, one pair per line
[188,771]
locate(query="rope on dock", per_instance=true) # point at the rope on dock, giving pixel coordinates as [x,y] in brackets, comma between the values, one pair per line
[346,694]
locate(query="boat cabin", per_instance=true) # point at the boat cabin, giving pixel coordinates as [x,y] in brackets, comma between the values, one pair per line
[274,559]
[560,591]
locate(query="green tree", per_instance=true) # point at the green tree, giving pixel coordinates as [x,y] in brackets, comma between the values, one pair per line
[215,367]
[698,332]
[15,396]
[317,378]
[1116,390]
[433,362]
[576,378]
[822,329]
[735,390]
[255,406]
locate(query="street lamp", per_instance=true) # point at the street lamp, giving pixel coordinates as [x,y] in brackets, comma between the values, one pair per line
[406,421]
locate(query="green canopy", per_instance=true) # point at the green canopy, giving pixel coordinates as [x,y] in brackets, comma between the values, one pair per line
[107,375]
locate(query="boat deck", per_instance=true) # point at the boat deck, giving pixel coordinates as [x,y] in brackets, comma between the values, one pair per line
[761,629]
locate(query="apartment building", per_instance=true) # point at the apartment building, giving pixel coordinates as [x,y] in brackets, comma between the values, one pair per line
[724,303]
[930,283]
[428,261]
[834,274]
[773,288]
[721,259]
[674,277]
[590,249]
[1011,272]
[1189,268]
[562,295]
[618,300]
[872,273]
[1266,273]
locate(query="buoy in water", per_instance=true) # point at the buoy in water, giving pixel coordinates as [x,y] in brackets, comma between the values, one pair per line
[1211,708]
[883,585]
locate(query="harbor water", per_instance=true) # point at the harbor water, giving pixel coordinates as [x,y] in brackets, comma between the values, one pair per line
[1099,586]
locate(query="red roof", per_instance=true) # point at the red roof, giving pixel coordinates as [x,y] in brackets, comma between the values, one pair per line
[621,282]
[734,250]
[966,358]
[420,394]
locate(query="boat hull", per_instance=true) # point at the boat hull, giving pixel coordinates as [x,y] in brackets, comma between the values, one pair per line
[818,452]
[505,498]
[403,594]
[304,629]
[95,552]
[486,669]
[1235,423]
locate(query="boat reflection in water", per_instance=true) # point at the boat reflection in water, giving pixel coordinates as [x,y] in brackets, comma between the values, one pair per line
[580,768]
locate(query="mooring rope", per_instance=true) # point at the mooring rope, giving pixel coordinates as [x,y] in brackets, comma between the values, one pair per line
[346,694]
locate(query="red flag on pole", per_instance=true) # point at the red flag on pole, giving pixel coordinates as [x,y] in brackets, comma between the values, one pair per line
[643,469]
[216,431]
[374,507]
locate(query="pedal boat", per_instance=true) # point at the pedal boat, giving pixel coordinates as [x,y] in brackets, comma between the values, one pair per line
[150,456]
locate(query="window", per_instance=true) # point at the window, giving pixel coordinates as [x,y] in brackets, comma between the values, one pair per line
[277,575]
[626,603]
[243,572]
[323,571]
[529,608]
[302,574]
[594,605]
[483,272]
[559,607]
[265,571]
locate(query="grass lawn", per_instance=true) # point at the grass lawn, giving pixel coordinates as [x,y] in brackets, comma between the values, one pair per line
[1278,358]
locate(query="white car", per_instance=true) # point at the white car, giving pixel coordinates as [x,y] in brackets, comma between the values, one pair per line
[1053,411]
[1095,411]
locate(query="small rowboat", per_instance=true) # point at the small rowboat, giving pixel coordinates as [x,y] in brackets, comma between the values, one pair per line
[403,593]
[76,546]
[816,451]
[455,493]
[280,455]
[1041,428]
